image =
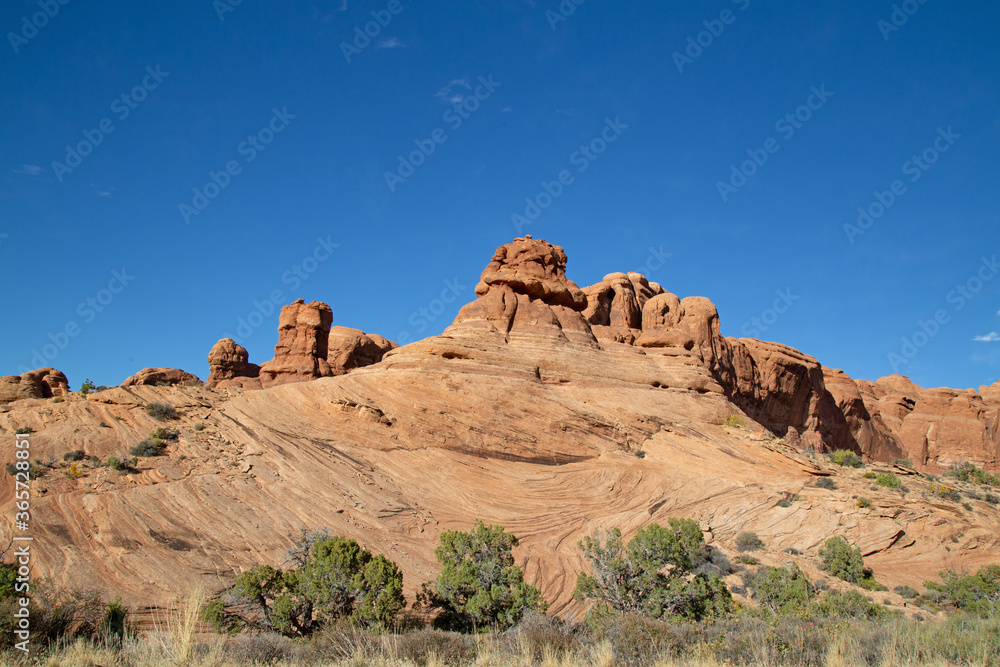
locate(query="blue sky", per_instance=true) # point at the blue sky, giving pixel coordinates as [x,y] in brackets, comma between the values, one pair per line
[170,169]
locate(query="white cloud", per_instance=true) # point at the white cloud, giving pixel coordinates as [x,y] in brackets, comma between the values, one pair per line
[991,337]
[391,43]
[29,169]
[450,95]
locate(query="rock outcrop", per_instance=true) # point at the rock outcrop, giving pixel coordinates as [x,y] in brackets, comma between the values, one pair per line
[936,428]
[524,291]
[229,366]
[303,342]
[40,383]
[352,348]
[161,376]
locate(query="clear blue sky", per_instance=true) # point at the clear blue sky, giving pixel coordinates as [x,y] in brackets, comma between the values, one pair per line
[641,122]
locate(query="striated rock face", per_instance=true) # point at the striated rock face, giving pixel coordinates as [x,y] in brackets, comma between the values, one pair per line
[230,367]
[41,383]
[353,348]
[303,343]
[161,376]
[529,412]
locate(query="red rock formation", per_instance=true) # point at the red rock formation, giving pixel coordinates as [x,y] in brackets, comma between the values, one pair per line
[230,367]
[937,427]
[353,348]
[303,342]
[524,291]
[41,383]
[161,376]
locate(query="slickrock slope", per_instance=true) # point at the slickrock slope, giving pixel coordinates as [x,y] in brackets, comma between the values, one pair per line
[531,411]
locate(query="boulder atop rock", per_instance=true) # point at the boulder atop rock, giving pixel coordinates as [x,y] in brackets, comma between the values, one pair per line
[303,343]
[161,376]
[229,366]
[41,383]
[534,268]
[353,348]
[524,291]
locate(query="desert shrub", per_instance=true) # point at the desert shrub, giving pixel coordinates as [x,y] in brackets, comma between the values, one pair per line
[33,468]
[784,502]
[636,639]
[115,463]
[851,604]
[164,434]
[967,507]
[664,572]
[842,561]
[977,593]
[906,592]
[433,647]
[869,475]
[781,590]
[640,454]
[991,499]
[970,472]
[333,579]
[199,426]
[783,640]
[24,430]
[161,411]
[864,503]
[826,483]
[887,479]
[265,648]
[58,399]
[60,615]
[946,492]
[75,455]
[906,463]
[479,584]
[744,559]
[147,447]
[735,421]
[748,541]
[539,634]
[845,458]
[87,387]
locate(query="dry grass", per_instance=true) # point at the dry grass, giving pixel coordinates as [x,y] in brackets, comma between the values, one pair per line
[957,641]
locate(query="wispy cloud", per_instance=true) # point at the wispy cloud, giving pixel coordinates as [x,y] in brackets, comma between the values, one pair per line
[991,337]
[390,43]
[104,192]
[343,6]
[449,93]
[29,169]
